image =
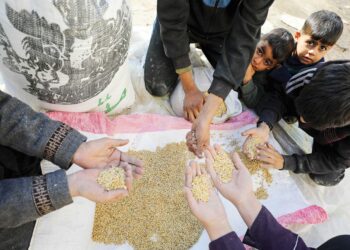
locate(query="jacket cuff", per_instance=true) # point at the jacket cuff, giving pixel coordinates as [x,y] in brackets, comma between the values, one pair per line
[184,70]
[181,62]
[269,117]
[50,192]
[289,163]
[228,241]
[62,145]
[248,87]
[220,88]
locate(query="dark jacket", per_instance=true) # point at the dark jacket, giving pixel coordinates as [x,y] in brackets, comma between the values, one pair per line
[331,147]
[276,102]
[330,152]
[265,234]
[22,129]
[233,23]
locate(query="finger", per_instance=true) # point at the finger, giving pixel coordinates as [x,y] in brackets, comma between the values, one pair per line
[188,176]
[212,173]
[191,116]
[128,178]
[238,162]
[117,142]
[195,170]
[196,113]
[131,159]
[265,165]
[137,171]
[218,149]
[190,199]
[270,146]
[186,115]
[211,152]
[249,132]
[115,195]
[266,159]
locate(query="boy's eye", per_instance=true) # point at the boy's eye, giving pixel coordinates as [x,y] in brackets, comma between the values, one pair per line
[267,63]
[310,43]
[323,48]
[259,51]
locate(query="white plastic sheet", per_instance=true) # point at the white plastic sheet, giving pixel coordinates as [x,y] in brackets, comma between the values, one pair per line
[71,227]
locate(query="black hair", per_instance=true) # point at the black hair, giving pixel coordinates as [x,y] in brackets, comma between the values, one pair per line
[325,101]
[324,26]
[281,42]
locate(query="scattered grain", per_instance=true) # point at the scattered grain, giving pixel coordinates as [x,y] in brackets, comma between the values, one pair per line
[155,215]
[261,193]
[256,170]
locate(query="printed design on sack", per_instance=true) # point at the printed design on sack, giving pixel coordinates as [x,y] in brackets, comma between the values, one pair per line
[106,102]
[73,65]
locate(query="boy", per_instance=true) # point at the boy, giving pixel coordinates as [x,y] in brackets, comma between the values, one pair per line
[319,33]
[323,108]
[273,49]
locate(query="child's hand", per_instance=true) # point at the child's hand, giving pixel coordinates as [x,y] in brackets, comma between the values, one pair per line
[269,157]
[212,213]
[240,187]
[263,132]
[248,74]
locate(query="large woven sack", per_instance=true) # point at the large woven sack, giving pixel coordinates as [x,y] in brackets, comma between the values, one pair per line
[67,55]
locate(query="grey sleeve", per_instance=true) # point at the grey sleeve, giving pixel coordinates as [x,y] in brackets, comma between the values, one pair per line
[25,199]
[251,93]
[35,134]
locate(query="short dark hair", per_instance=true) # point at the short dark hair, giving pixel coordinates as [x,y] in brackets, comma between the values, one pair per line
[325,101]
[324,26]
[281,42]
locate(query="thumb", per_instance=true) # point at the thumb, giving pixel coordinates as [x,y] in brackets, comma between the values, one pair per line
[249,132]
[118,142]
[238,162]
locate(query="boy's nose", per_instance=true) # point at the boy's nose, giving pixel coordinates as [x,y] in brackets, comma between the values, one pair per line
[311,52]
[258,60]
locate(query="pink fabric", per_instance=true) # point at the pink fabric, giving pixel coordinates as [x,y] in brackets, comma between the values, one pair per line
[309,215]
[99,123]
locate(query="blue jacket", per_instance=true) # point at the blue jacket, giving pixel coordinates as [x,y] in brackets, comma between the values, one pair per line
[22,129]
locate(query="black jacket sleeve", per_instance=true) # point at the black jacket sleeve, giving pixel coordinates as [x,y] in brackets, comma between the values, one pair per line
[239,46]
[173,16]
[271,105]
[324,158]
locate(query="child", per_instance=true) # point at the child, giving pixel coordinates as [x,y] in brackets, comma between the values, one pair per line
[319,33]
[272,49]
[323,107]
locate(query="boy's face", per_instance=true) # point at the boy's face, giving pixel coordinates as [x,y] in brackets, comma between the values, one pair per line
[310,51]
[263,57]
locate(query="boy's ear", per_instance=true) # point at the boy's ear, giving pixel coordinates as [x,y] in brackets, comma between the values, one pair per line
[297,34]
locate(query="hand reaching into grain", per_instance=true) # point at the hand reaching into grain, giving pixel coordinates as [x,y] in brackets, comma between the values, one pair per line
[210,213]
[102,152]
[269,157]
[84,183]
[240,185]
